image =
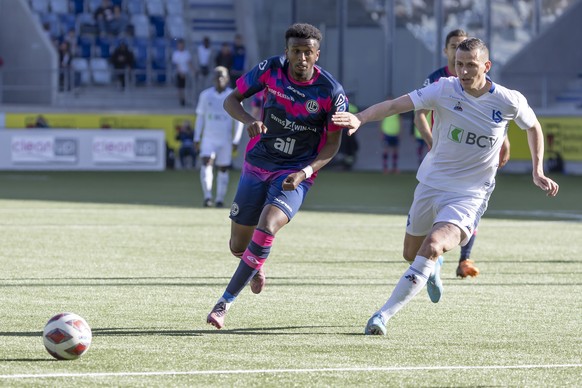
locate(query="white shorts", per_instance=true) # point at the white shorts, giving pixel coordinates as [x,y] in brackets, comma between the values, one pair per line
[431,206]
[220,151]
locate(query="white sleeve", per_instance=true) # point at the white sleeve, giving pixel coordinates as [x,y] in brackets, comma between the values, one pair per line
[525,117]
[199,117]
[424,98]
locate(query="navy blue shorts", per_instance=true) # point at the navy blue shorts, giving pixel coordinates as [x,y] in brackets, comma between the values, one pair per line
[391,141]
[258,188]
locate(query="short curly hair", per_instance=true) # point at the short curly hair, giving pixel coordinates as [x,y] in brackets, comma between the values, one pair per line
[303,31]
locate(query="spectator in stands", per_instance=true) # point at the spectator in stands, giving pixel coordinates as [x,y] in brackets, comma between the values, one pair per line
[182,61]
[71,38]
[225,57]
[185,135]
[123,61]
[65,59]
[41,122]
[238,62]
[118,23]
[203,66]
[103,16]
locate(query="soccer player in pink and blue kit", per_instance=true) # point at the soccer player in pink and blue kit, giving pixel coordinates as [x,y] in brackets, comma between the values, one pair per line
[296,138]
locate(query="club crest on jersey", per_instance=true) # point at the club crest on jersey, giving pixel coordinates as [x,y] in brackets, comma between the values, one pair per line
[312,106]
[496,116]
[458,107]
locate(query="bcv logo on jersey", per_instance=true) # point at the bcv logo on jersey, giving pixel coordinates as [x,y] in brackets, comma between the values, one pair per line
[459,135]
[285,145]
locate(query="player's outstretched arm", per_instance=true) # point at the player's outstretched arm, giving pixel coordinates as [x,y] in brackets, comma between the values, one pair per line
[374,113]
[535,139]
[504,153]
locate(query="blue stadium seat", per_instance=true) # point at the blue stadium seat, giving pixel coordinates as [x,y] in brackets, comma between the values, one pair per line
[41,6]
[175,26]
[54,25]
[174,7]
[159,26]
[100,71]
[159,54]
[86,24]
[68,22]
[141,25]
[60,6]
[78,6]
[140,51]
[155,7]
[135,7]
[85,46]
[105,46]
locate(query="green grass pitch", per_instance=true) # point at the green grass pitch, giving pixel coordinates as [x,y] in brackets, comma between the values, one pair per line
[137,256]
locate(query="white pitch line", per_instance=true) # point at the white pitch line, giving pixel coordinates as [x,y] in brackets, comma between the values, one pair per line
[274,371]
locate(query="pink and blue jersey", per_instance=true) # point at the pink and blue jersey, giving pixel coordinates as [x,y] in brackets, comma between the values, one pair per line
[297,114]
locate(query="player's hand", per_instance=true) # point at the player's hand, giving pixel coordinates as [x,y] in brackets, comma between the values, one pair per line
[197,146]
[504,153]
[256,128]
[549,186]
[293,180]
[346,120]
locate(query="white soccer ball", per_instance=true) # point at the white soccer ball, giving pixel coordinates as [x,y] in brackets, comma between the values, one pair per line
[67,336]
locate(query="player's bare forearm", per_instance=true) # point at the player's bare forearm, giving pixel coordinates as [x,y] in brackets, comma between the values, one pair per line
[504,154]
[535,139]
[232,105]
[328,151]
[374,113]
[423,127]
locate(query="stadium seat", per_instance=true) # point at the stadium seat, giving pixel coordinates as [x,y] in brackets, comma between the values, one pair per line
[86,24]
[141,25]
[155,7]
[159,26]
[68,22]
[78,6]
[159,55]
[94,4]
[60,6]
[41,6]
[174,7]
[100,71]
[135,7]
[81,69]
[52,20]
[175,26]
[85,46]
[140,51]
[105,45]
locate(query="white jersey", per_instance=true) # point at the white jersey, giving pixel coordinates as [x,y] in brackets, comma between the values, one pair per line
[213,123]
[468,133]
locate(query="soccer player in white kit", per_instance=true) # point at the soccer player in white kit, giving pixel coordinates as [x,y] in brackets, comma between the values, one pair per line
[457,176]
[216,137]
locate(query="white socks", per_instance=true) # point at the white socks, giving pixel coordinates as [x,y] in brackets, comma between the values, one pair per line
[221,185]
[206,177]
[410,284]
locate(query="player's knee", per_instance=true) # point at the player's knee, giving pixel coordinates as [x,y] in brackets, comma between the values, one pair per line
[236,251]
[431,247]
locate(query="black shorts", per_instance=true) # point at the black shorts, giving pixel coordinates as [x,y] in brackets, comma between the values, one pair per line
[181,81]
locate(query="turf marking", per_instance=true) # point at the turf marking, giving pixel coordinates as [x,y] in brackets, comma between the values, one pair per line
[278,371]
